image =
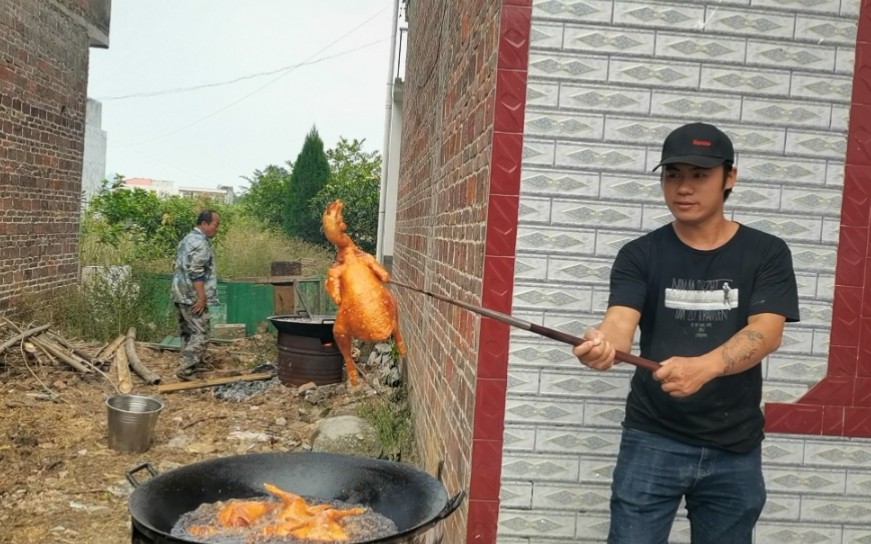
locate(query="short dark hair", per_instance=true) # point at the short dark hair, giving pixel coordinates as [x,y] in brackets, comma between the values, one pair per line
[205,216]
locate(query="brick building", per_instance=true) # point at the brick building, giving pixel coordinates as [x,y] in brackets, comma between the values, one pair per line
[529,132]
[43,84]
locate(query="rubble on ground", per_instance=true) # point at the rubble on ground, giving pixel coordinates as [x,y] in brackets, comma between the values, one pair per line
[60,480]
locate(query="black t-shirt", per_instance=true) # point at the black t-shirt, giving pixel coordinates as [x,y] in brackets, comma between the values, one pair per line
[692,302]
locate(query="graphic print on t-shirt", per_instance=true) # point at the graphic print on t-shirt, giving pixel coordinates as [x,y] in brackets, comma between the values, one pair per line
[701,302]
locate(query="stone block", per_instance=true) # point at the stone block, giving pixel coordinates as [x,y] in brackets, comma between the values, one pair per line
[285,268]
[228,331]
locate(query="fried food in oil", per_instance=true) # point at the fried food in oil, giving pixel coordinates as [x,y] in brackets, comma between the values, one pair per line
[293,517]
[240,513]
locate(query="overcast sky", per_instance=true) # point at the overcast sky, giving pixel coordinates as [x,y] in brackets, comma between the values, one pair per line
[215,134]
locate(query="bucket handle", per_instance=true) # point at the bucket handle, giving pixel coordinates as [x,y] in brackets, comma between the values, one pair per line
[455,501]
[132,479]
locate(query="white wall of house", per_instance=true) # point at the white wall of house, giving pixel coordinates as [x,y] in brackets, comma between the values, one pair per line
[608,80]
[386,240]
[94,159]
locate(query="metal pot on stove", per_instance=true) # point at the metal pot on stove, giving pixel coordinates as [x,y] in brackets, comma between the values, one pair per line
[414,500]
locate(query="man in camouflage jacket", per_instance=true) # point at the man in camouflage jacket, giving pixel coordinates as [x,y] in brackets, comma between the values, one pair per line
[194,289]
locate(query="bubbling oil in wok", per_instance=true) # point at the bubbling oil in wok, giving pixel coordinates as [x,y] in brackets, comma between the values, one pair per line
[216,523]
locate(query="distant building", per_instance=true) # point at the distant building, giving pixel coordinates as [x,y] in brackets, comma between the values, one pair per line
[94,158]
[159,186]
[223,192]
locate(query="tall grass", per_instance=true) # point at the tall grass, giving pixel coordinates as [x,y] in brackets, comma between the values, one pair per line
[105,304]
[95,252]
[246,250]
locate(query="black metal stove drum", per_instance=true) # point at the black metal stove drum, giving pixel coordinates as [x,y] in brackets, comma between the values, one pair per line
[307,351]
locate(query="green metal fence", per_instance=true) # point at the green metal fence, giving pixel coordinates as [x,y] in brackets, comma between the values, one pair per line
[314,297]
[252,302]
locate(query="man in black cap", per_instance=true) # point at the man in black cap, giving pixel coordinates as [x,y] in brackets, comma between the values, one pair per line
[710,297]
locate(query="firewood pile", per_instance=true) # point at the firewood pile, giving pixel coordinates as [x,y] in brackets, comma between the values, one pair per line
[39,344]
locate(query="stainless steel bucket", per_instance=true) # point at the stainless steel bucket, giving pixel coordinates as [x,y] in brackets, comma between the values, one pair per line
[131,422]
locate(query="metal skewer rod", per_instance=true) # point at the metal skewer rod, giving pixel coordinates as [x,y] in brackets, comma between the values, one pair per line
[300,298]
[554,334]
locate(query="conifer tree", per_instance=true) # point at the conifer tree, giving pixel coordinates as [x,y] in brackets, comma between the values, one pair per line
[311,172]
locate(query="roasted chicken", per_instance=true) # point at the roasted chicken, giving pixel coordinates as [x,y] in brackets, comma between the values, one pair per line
[367,309]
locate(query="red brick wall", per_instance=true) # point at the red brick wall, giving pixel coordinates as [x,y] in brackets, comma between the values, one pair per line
[455,235]
[43,85]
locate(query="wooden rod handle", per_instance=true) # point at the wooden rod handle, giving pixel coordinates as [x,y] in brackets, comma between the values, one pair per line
[621,356]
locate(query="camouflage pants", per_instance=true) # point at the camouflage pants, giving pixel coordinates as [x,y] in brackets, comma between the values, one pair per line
[194,335]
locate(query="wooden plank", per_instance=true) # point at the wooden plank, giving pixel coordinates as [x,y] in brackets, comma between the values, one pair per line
[23,336]
[274,279]
[44,342]
[108,351]
[135,362]
[125,381]
[211,382]
[284,301]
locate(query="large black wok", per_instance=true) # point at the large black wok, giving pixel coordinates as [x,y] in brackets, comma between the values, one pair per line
[413,499]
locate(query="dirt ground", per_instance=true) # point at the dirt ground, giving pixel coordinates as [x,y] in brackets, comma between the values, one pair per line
[60,482]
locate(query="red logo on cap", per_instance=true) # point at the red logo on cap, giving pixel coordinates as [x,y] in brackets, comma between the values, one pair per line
[706,143]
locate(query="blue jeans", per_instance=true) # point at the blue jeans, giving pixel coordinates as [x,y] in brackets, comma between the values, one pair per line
[724,491]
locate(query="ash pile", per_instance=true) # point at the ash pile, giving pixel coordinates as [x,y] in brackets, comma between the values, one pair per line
[241,391]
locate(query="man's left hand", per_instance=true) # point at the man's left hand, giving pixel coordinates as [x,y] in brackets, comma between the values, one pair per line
[683,376]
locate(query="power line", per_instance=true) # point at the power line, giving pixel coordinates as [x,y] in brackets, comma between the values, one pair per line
[178,90]
[257,90]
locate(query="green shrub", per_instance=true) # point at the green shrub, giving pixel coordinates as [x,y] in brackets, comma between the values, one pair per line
[355,178]
[391,417]
[153,223]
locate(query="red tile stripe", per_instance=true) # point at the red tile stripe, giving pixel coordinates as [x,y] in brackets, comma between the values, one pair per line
[498,281]
[840,405]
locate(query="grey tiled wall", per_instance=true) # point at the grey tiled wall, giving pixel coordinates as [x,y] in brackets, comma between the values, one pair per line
[608,80]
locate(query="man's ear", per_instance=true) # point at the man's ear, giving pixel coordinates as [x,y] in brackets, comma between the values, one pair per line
[731,179]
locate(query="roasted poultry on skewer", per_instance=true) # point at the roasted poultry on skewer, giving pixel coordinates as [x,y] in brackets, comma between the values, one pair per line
[367,310]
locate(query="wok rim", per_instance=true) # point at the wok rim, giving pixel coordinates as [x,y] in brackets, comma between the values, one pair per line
[446,504]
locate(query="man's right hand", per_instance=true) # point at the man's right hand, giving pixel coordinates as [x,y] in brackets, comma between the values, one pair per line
[596,352]
[199,306]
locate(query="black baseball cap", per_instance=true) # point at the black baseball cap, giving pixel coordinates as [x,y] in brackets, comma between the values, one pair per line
[698,144]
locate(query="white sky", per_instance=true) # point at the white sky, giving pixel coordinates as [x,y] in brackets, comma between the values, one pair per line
[214,135]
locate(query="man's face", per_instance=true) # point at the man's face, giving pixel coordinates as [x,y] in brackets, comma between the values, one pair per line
[694,194]
[210,229]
